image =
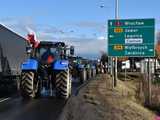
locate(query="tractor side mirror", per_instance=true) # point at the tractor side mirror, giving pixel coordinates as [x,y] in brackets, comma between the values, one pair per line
[72,50]
[28,50]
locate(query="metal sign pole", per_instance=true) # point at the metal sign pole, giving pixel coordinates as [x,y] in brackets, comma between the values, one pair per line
[115,62]
[113,72]
[149,82]
[117,9]
[125,74]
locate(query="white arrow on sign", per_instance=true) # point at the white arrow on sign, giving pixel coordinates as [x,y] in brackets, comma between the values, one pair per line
[111,36]
[151,50]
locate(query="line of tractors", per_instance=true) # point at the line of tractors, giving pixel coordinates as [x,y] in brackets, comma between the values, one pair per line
[51,66]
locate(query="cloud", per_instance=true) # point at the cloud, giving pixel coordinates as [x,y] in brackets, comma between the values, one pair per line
[89,24]
[50,29]
[87,46]
[97,26]
[84,45]
[101,38]
[19,25]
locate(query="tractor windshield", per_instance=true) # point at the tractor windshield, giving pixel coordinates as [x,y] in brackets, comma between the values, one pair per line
[44,52]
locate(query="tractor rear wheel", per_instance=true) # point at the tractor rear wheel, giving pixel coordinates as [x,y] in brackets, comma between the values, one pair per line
[63,84]
[93,72]
[28,87]
[89,73]
[83,75]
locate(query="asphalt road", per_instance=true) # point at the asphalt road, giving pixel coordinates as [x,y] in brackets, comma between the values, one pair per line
[38,109]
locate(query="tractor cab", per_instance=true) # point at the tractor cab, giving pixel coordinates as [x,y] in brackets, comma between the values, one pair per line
[48,52]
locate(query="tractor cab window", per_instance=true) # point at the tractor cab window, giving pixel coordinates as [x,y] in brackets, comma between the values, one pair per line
[42,51]
[56,52]
[45,52]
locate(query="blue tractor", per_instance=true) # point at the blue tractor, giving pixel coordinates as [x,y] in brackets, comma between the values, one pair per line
[78,69]
[84,69]
[47,68]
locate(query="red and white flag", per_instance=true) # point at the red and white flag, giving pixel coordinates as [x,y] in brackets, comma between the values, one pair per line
[32,39]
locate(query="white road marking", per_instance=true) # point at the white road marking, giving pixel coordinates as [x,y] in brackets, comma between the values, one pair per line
[4,99]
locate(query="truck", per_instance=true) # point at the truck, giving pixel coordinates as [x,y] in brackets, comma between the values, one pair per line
[12,54]
[47,68]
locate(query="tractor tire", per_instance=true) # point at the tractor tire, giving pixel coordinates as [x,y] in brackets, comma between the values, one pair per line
[28,88]
[83,76]
[93,72]
[63,84]
[70,85]
[89,72]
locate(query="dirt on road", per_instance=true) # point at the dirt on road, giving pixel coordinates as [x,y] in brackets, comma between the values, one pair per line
[98,101]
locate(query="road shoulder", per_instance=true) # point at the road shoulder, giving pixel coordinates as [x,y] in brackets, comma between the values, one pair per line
[97,101]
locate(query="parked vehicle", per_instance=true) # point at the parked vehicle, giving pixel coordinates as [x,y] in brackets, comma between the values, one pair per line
[12,54]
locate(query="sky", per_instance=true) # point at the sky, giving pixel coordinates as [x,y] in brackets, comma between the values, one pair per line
[82,23]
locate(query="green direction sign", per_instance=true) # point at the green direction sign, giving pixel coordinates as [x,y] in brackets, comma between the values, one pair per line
[131,37]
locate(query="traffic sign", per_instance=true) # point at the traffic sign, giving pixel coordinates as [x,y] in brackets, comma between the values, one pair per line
[131,37]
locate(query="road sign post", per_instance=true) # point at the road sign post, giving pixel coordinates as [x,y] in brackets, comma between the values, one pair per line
[149,83]
[114,63]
